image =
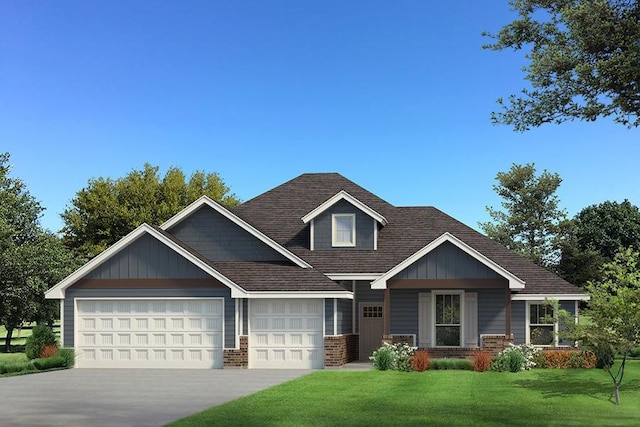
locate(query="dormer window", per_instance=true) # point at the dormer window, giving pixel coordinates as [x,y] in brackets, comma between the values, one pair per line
[344,230]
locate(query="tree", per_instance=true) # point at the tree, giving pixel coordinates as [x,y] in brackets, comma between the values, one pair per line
[597,234]
[583,61]
[531,223]
[107,209]
[614,310]
[31,259]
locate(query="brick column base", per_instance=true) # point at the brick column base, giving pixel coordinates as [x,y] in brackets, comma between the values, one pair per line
[494,344]
[340,349]
[238,358]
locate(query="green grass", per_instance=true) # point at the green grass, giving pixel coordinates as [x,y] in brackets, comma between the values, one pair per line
[12,357]
[461,398]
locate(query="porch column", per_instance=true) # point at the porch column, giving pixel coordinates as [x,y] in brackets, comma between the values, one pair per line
[507,312]
[386,312]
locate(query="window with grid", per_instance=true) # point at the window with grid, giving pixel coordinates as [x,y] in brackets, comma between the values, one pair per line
[448,320]
[541,324]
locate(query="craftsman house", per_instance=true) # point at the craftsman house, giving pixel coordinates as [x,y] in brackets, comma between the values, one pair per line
[315,272]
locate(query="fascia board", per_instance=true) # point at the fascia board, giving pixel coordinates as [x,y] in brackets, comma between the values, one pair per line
[300,295]
[343,195]
[353,276]
[57,292]
[204,200]
[514,281]
[560,297]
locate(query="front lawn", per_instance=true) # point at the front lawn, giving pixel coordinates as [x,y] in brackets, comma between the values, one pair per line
[460,398]
[12,358]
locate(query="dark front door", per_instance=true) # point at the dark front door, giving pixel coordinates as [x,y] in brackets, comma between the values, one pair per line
[371,328]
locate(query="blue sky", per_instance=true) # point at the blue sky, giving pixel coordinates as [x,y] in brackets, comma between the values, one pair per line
[395,96]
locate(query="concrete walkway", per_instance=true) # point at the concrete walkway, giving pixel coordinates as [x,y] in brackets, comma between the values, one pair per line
[125,397]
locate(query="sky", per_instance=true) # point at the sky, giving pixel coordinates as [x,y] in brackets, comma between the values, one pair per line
[396,96]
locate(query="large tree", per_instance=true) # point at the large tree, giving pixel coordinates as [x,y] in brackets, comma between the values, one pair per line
[583,61]
[31,259]
[108,209]
[597,234]
[531,223]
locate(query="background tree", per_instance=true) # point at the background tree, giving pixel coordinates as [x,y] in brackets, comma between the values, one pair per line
[107,209]
[614,312]
[597,234]
[583,61]
[31,259]
[531,222]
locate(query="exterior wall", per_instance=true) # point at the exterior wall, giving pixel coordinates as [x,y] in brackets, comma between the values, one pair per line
[340,349]
[491,311]
[364,293]
[147,258]
[328,316]
[229,305]
[345,316]
[323,224]
[518,321]
[219,239]
[447,262]
[404,311]
[238,358]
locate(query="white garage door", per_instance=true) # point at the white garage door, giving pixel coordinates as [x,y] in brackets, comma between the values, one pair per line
[286,334]
[145,333]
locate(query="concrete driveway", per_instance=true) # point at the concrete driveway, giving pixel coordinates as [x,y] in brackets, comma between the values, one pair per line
[125,397]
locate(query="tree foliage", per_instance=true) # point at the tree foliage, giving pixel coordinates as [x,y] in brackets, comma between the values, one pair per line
[583,61]
[614,311]
[531,223]
[596,235]
[108,209]
[31,259]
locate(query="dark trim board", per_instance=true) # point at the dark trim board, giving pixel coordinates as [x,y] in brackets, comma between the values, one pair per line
[448,284]
[146,283]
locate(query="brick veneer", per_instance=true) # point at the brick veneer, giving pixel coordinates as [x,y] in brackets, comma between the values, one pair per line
[494,344]
[238,358]
[491,343]
[340,349]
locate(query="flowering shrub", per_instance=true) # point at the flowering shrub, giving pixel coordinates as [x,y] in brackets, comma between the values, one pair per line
[481,360]
[563,359]
[515,358]
[400,354]
[420,361]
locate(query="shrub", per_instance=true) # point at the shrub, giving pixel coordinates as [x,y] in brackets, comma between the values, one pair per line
[382,358]
[49,363]
[516,361]
[451,364]
[10,368]
[515,358]
[558,359]
[49,350]
[481,360]
[635,352]
[420,361]
[605,355]
[68,356]
[41,336]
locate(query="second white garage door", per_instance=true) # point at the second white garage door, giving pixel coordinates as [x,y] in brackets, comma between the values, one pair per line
[149,333]
[286,333]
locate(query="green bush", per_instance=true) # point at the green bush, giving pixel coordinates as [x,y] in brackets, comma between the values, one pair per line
[41,336]
[382,358]
[516,358]
[451,364]
[635,352]
[68,356]
[10,368]
[49,363]
[515,361]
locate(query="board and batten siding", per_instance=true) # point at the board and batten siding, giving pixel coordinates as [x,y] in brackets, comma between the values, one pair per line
[147,258]
[447,261]
[404,311]
[229,305]
[219,239]
[322,228]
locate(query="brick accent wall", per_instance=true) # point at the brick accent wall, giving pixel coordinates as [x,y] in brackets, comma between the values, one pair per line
[494,344]
[407,339]
[238,358]
[451,352]
[340,349]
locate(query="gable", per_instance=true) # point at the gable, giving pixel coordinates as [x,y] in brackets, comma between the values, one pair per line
[447,261]
[147,258]
[219,239]
[365,227]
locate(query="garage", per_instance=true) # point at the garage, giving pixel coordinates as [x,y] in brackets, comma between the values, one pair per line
[286,333]
[149,333]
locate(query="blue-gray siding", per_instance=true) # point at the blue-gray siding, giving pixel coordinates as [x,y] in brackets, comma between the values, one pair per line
[447,261]
[491,311]
[345,316]
[518,322]
[219,239]
[404,311]
[229,305]
[323,224]
[147,258]
[328,316]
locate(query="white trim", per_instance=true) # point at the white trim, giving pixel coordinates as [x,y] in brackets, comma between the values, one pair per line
[206,201]
[354,308]
[527,324]
[58,291]
[434,294]
[353,276]
[298,295]
[61,323]
[575,307]
[312,235]
[335,316]
[238,325]
[334,229]
[343,195]
[514,281]
[375,236]
[542,297]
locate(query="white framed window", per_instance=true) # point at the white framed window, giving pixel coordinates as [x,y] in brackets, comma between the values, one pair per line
[448,320]
[343,230]
[542,329]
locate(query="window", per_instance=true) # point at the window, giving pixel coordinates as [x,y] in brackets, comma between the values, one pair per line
[448,323]
[542,326]
[344,230]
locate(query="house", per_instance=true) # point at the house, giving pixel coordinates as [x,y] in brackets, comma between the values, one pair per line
[313,273]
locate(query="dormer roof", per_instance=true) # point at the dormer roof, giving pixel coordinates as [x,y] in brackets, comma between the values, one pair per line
[343,195]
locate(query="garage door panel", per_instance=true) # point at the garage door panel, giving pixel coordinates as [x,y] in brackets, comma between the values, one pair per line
[150,333]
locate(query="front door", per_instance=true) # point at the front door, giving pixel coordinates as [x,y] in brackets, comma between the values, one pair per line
[371,328]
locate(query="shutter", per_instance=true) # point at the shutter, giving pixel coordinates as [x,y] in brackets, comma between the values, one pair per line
[470,331]
[424,319]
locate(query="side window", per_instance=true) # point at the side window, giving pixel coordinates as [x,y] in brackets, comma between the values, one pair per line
[541,325]
[343,230]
